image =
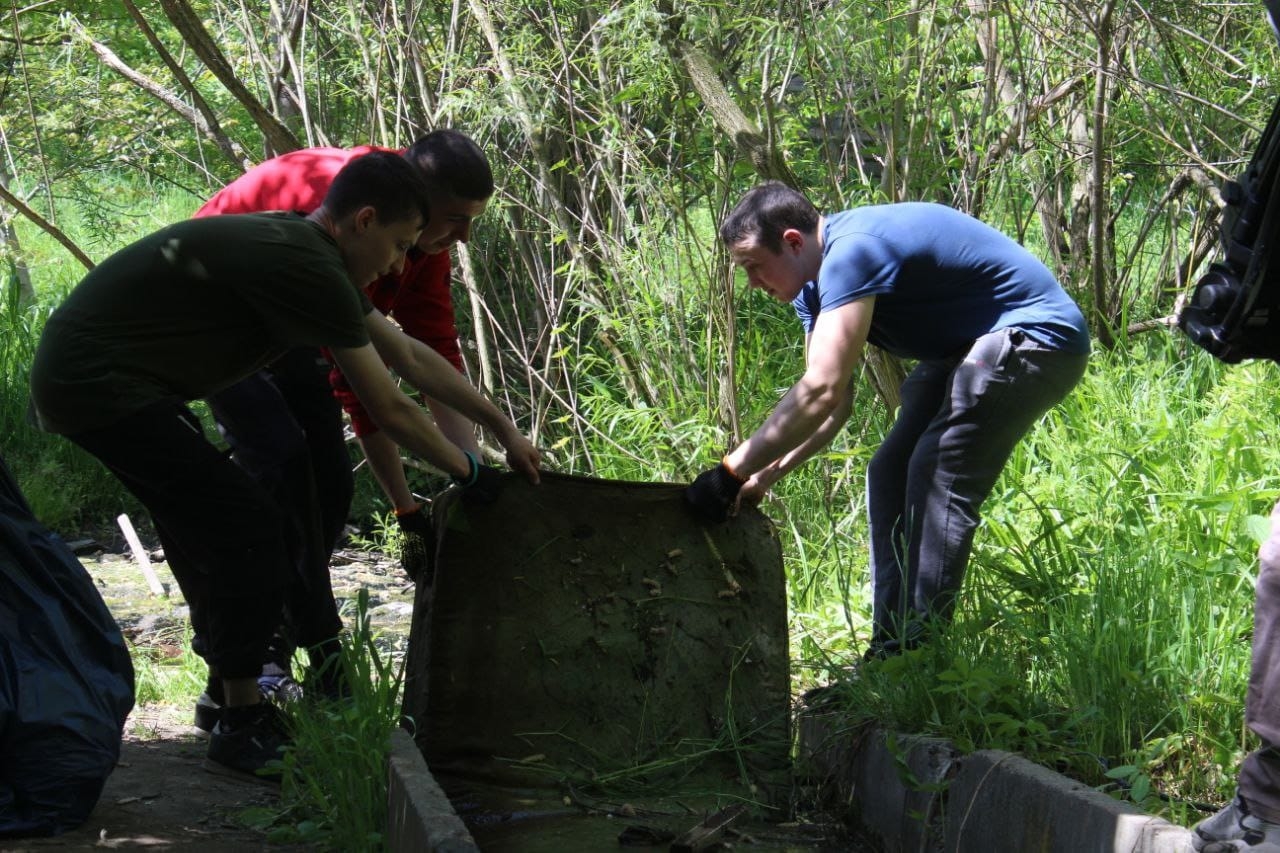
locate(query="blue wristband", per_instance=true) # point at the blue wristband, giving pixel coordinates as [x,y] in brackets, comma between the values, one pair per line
[473,474]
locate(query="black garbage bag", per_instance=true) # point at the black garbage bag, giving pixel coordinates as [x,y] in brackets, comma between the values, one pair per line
[66,681]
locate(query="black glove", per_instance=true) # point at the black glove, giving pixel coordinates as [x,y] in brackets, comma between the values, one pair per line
[482,484]
[418,542]
[712,494]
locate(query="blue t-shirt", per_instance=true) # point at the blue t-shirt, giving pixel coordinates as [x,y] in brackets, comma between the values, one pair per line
[941,280]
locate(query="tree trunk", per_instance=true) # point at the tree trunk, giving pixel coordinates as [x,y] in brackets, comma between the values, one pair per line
[1100,177]
[9,247]
[279,139]
[285,76]
[729,117]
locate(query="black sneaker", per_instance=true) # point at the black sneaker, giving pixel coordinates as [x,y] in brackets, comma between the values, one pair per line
[274,684]
[208,712]
[249,748]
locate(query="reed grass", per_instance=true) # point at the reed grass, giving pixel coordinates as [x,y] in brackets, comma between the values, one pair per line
[1104,628]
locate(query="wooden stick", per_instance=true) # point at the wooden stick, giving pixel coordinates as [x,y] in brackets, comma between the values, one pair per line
[140,555]
[708,833]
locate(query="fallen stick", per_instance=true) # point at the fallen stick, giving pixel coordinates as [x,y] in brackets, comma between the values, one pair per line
[140,555]
[708,832]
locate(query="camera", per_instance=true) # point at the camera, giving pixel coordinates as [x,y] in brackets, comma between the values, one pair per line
[1234,310]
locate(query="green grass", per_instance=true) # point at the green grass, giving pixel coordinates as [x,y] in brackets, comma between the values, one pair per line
[334,777]
[334,783]
[166,670]
[1105,621]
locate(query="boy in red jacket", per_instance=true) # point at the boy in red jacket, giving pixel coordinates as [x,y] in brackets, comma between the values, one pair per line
[284,425]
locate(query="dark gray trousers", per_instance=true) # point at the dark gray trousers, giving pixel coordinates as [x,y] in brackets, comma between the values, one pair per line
[226,538]
[959,421]
[1259,781]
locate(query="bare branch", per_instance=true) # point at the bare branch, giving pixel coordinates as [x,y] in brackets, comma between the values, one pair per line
[233,151]
[279,138]
[46,226]
[1152,324]
[1034,110]
[210,126]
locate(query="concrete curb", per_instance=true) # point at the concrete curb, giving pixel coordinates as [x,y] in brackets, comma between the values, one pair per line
[922,794]
[912,793]
[419,816]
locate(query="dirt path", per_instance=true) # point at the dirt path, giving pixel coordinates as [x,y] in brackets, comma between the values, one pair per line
[159,796]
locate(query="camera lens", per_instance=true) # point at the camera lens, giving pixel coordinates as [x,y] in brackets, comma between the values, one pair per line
[1216,292]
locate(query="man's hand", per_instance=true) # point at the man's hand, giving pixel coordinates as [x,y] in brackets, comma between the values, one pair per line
[753,491]
[482,484]
[522,455]
[713,493]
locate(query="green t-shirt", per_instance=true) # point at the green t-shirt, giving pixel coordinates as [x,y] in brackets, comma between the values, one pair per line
[192,308]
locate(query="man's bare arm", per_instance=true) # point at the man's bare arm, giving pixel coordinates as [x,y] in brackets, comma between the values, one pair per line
[399,417]
[433,375]
[818,404]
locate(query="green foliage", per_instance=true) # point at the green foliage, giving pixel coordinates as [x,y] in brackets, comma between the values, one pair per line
[62,483]
[66,487]
[166,670]
[1104,627]
[334,783]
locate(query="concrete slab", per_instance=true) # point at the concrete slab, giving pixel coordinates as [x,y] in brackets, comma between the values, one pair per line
[611,628]
[911,793]
[420,818]
[1000,801]
[922,794]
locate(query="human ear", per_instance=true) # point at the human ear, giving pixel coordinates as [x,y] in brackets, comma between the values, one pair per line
[793,238]
[365,216]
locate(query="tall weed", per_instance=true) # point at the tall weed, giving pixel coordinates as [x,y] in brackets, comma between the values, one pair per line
[334,784]
[1104,627]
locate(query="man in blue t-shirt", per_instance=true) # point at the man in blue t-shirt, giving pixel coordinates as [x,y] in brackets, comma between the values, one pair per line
[998,342]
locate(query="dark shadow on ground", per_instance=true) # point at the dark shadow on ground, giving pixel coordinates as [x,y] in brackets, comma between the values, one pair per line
[160,798]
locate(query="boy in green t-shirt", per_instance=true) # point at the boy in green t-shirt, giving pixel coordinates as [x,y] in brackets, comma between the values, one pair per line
[199,305]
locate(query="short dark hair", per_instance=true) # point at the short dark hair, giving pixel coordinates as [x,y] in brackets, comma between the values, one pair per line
[384,181]
[451,161]
[765,212]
